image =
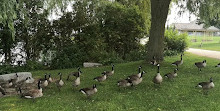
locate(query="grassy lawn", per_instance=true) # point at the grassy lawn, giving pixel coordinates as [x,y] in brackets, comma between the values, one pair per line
[208,45]
[176,95]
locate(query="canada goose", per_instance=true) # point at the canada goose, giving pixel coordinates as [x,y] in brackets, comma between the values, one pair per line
[59,82]
[44,82]
[7,84]
[171,75]
[154,61]
[50,80]
[135,80]
[20,83]
[76,83]
[138,75]
[28,80]
[178,63]
[15,80]
[158,78]
[33,93]
[218,65]
[89,91]
[206,85]
[101,78]
[79,72]
[110,73]
[24,84]
[2,90]
[124,83]
[200,65]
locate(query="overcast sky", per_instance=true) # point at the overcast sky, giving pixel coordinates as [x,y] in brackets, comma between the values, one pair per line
[173,17]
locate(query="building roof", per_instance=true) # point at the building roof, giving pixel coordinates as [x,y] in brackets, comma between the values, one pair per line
[192,26]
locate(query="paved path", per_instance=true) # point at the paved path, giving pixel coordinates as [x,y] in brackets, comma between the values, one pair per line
[207,53]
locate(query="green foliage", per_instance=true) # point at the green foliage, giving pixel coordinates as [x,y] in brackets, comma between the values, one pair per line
[33,65]
[207,11]
[29,66]
[122,27]
[95,31]
[71,56]
[138,54]
[109,58]
[6,43]
[175,42]
[8,14]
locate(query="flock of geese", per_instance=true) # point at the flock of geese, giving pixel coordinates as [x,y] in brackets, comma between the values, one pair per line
[28,89]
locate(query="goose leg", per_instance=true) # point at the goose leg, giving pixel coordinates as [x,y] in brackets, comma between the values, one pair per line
[33,99]
[205,92]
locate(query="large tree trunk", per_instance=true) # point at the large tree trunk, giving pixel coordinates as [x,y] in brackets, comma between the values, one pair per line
[159,12]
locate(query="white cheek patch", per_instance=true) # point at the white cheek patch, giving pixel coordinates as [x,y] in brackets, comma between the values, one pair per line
[83,92]
[200,86]
[29,97]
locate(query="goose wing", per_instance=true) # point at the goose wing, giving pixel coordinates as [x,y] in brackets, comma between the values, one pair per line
[176,62]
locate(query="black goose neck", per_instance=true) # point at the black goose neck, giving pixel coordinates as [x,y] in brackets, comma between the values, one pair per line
[158,69]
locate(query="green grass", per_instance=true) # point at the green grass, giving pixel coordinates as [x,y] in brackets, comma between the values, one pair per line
[176,95]
[208,45]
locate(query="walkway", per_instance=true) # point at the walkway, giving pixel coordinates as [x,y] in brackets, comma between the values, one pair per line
[207,53]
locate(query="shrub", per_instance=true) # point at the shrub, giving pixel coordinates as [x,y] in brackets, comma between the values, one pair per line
[69,57]
[138,54]
[29,66]
[111,57]
[174,42]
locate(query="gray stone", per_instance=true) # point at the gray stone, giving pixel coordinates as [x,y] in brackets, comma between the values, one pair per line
[21,76]
[90,64]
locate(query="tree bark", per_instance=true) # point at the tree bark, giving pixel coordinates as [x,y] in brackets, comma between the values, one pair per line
[159,12]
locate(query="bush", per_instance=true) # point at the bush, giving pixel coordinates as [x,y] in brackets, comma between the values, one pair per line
[29,66]
[111,57]
[33,65]
[69,57]
[138,54]
[174,42]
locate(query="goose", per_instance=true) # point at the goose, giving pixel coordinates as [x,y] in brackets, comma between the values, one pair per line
[76,83]
[15,80]
[28,80]
[101,78]
[136,80]
[79,72]
[171,75]
[44,82]
[89,91]
[33,93]
[59,82]
[2,90]
[124,83]
[50,80]
[7,84]
[158,78]
[26,84]
[218,65]
[201,65]
[178,63]
[23,83]
[138,75]
[110,73]
[154,61]
[206,85]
